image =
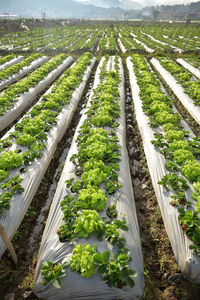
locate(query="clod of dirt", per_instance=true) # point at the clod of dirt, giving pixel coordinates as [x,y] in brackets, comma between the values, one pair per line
[10,296]
[175,278]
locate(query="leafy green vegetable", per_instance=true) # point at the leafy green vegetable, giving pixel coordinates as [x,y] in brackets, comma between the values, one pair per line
[174,135]
[114,270]
[190,221]
[5,201]
[182,156]
[13,185]
[10,160]
[82,260]
[191,171]
[92,198]
[87,222]
[3,174]
[196,195]
[52,273]
[174,182]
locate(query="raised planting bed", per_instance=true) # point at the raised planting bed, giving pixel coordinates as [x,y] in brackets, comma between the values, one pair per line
[17,71]
[172,152]
[92,235]
[189,67]
[16,98]
[188,101]
[121,46]
[167,46]
[9,60]
[141,43]
[28,148]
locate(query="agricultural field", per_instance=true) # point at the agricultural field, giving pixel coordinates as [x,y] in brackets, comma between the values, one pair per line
[100,161]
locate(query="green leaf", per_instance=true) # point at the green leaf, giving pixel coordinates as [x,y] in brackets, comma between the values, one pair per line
[98,258]
[102,269]
[130,282]
[181,210]
[57,283]
[192,247]
[106,256]
[132,273]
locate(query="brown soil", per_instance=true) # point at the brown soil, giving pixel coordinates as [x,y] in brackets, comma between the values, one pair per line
[8,25]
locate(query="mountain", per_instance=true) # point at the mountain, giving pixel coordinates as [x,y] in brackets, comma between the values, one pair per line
[124,4]
[59,8]
[102,3]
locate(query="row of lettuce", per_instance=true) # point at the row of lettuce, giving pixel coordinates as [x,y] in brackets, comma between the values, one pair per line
[31,131]
[6,58]
[108,42]
[194,61]
[130,44]
[10,94]
[37,38]
[190,84]
[8,72]
[181,152]
[162,38]
[96,169]
[72,38]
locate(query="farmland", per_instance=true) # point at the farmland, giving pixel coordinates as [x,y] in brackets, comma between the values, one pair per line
[100,160]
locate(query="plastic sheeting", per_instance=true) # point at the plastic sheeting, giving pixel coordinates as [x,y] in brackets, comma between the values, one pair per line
[73,285]
[155,40]
[177,89]
[35,64]
[121,46]
[145,46]
[11,62]
[51,43]
[189,67]
[163,43]
[27,98]
[12,218]
[188,262]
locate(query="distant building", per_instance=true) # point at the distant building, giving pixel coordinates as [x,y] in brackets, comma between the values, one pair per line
[8,16]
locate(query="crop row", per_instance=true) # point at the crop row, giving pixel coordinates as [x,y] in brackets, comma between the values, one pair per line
[194,61]
[191,85]
[19,70]
[36,38]
[10,94]
[130,44]
[178,90]
[10,60]
[108,43]
[93,213]
[89,204]
[176,168]
[26,150]
[190,66]
[6,73]
[5,59]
